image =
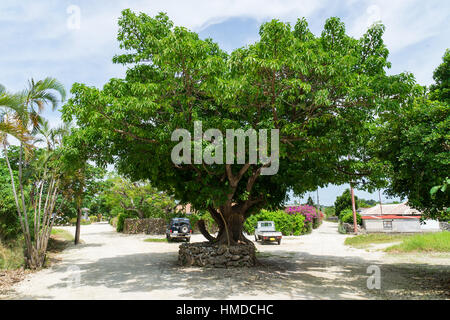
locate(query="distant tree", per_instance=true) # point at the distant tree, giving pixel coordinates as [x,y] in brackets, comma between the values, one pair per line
[139,198]
[344,201]
[329,211]
[310,201]
[363,203]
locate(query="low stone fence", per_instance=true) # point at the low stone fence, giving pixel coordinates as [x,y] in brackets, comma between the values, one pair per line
[349,228]
[147,226]
[445,226]
[204,254]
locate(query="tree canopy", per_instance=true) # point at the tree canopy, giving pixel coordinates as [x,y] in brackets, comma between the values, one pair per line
[415,142]
[321,92]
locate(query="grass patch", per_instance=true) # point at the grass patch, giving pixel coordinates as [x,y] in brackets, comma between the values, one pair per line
[374,238]
[429,242]
[59,240]
[11,255]
[62,234]
[156,240]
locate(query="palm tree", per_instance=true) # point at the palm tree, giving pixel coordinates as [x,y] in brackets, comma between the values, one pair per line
[21,118]
[10,107]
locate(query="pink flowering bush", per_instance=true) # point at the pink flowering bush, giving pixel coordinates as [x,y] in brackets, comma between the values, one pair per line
[313,218]
[309,212]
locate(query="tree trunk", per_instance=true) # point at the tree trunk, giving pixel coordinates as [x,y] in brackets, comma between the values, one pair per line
[77,230]
[230,221]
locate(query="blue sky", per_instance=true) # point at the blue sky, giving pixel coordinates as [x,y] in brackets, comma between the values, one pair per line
[37,38]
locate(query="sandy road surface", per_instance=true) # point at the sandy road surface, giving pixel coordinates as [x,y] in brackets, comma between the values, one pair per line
[110,265]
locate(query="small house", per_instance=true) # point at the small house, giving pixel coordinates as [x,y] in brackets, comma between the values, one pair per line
[396,218]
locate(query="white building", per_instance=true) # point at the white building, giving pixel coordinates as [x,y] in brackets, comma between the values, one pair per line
[396,218]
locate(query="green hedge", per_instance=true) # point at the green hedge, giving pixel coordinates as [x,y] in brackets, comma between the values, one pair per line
[121,221]
[347,216]
[287,224]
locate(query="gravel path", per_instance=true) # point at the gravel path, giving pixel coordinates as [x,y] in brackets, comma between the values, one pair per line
[110,265]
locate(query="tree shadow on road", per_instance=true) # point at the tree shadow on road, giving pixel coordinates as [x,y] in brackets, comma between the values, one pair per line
[282,276]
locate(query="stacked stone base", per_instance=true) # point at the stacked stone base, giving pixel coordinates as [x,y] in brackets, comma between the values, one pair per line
[205,254]
[349,228]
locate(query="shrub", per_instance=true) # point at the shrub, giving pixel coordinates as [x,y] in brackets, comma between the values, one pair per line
[308,227]
[93,218]
[285,223]
[346,216]
[85,222]
[73,221]
[121,221]
[316,223]
[329,211]
[309,212]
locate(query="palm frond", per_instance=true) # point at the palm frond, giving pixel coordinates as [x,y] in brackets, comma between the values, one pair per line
[44,87]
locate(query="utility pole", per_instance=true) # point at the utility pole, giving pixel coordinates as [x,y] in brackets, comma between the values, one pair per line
[355,227]
[317,196]
[379,197]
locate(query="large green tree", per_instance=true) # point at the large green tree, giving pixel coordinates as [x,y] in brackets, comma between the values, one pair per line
[415,141]
[320,92]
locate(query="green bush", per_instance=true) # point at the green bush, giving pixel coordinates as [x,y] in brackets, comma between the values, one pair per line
[93,218]
[85,222]
[9,222]
[121,221]
[316,223]
[308,227]
[73,221]
[287,224]
[347,217]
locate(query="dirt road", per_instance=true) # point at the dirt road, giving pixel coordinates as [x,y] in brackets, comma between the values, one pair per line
[110,265]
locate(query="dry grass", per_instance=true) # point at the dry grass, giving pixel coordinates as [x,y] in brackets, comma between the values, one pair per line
[11,255]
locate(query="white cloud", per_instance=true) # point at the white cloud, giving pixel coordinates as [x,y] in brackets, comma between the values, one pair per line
[35,32]
[407,22]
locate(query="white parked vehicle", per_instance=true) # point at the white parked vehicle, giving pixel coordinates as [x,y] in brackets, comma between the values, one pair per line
[265,231]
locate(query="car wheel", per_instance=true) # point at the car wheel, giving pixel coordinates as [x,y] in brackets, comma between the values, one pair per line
[184,229]
[188,239]
[279,242]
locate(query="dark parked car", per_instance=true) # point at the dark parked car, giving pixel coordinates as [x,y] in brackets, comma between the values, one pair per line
[179,228]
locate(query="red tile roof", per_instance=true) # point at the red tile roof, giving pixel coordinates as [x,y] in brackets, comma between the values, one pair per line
[387,216]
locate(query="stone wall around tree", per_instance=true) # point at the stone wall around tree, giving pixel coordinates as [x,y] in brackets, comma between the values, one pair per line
[204,254]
